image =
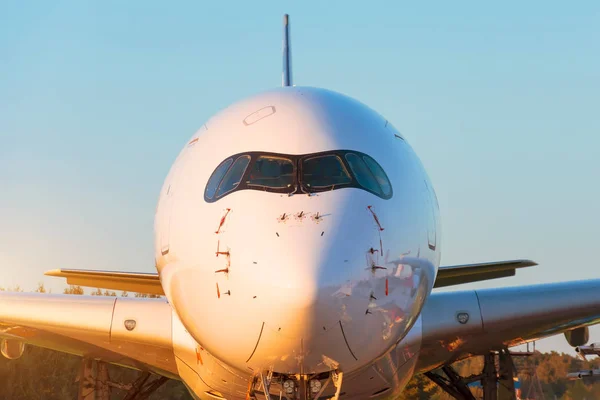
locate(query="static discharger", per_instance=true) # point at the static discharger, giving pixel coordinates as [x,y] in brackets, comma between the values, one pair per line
[222,222]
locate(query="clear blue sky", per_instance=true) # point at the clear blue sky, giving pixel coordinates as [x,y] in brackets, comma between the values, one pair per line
[501,102]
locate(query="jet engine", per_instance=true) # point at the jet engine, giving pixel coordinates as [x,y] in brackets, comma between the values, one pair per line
[12,349]
[578,337]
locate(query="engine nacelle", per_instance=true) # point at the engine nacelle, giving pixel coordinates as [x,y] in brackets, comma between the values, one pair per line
[585,374]
[12,349]
[578,337]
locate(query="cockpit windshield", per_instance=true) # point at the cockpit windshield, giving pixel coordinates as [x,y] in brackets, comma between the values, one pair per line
[324,171]
[272,172]
[234,175]
[308,173]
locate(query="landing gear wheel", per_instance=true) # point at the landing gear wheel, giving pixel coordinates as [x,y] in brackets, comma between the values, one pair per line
[498,384]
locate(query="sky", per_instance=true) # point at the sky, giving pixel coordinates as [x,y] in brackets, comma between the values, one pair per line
[500,101]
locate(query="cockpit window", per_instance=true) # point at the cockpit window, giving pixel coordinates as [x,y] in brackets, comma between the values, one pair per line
[362,173]
[215,178]
[272,172]
[298,174]
[379,175]
[234,176]
[324,172]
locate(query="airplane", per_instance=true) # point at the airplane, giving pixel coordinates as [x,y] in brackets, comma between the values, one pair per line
[297,247]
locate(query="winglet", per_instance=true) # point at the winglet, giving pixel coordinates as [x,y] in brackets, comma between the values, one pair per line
[287,53]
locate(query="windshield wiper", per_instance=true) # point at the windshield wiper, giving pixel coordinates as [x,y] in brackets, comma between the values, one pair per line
[294,192]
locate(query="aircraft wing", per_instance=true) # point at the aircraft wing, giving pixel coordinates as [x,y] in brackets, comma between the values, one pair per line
[459,274]
[129,281]
[93,327]
[456,325]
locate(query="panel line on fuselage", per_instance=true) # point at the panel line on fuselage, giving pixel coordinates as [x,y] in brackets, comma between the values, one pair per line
[257,342]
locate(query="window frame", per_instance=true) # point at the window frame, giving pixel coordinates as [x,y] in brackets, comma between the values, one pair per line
[366,160]
[218,193]
[214,192]
[367,171]
[299,187]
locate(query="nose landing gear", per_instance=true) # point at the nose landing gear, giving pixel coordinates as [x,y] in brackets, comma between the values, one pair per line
[272,386]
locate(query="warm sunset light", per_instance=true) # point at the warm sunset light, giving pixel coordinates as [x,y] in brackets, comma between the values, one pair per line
[194,205]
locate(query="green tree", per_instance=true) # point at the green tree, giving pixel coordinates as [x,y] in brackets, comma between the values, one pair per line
[72,289]
[41,288]
[420,388]
[577,391]
[147,295]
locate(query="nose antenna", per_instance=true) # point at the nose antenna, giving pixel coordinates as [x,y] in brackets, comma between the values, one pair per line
[287,53]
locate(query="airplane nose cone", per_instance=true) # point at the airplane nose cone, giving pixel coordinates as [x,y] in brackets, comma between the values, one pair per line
[289,279]
[304,287]
[330,293]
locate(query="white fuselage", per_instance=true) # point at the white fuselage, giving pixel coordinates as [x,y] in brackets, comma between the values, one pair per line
[297,283]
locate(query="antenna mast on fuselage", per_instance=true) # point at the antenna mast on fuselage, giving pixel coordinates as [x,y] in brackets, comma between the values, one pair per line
[287,53]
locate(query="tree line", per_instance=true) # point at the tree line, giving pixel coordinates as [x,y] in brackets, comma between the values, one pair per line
[540,376]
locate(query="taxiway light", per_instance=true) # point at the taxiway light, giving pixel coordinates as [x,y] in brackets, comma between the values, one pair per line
[288,386]
[315,385]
